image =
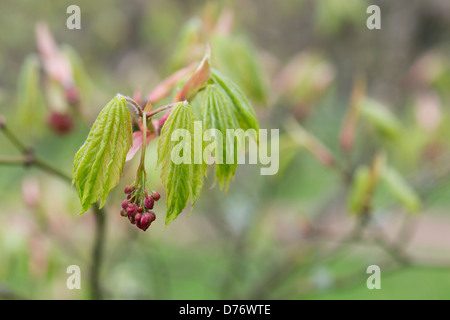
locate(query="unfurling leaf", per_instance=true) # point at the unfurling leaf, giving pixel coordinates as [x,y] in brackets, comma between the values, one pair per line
[217,113]
[80,74]
[99,162]
[348,129]
[187,44]
[29,96]
[237,55]
[364,184]
[56,65]
[382,119]
[401,190]
[180,157]
[359,190]
[304,79]
[197,80]
[241,106]
[308,141]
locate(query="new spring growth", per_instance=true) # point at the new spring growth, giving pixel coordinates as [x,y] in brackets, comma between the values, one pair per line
[138,205]
[99,162]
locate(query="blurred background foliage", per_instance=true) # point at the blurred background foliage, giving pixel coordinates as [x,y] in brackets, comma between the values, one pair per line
[364,155]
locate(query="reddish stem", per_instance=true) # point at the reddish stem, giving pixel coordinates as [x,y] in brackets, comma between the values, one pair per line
[164,88]
[163,119]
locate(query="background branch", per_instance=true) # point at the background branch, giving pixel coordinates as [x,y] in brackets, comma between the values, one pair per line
[30,159]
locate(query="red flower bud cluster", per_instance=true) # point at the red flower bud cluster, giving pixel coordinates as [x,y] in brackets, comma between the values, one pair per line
[138,207]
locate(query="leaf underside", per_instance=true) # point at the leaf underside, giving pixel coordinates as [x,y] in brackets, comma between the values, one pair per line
[217,113]
[183,182]
[401,190]
[224,107]
[99,162]
[241,106]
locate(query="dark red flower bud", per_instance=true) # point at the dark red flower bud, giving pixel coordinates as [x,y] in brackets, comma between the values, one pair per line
[138,217]
[131,218]
[72,95]
[128,189]
[146,220]
[125,204]
[156,195]
[140,209]
[129,197]
[153,216]
[149,202]
[123,213]
[61,123]
[131,210]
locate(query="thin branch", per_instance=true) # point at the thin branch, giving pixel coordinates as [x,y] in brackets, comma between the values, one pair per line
[46,167]
[135,105]
[28,158]
[392,249]
[97,254]
[12,160]
[156,111]
[13,138]
[160,122]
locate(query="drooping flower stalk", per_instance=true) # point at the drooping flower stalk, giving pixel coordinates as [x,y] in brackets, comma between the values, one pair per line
[138,205]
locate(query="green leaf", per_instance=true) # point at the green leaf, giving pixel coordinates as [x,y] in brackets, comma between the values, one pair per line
[99,162]
[239,57]
[198,79]
[183,180]
[401,190]
[30,104]
[383,120]
[304,79]
[225,106]
[332,16]
[188,40]
[217,113]
[80,74]
[244,112]
[359,190]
